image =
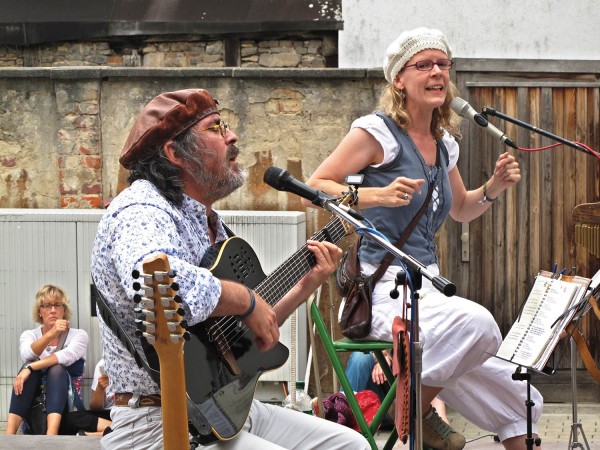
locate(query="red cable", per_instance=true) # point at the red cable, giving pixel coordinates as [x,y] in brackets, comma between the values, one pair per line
[592,152]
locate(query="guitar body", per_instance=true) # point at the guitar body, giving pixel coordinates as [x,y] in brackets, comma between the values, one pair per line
[222,363]
[222,366]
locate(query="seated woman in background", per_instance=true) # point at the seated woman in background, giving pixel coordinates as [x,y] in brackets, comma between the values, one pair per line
[53,354]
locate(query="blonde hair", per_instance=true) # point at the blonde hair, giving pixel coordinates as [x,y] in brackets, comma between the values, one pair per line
[393,103]
[50,291]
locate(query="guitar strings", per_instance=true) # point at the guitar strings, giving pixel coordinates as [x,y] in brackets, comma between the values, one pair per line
[279,282]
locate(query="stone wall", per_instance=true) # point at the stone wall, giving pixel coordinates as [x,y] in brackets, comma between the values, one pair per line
[62,129]
[308,50]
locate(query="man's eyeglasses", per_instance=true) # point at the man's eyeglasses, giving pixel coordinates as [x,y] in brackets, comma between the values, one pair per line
[426,65]
[221,127]
[52,305]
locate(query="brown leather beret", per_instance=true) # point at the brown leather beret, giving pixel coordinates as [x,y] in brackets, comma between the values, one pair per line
[163,118]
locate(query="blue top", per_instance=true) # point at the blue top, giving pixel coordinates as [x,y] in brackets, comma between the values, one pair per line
[390,221]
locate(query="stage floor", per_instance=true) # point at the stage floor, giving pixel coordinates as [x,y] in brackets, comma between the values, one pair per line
[554,428]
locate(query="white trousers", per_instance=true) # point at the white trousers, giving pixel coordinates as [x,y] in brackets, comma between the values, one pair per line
[268,427]
[458,337]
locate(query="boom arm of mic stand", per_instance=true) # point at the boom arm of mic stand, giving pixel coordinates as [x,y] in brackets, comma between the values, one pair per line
[440,283]
[492,112]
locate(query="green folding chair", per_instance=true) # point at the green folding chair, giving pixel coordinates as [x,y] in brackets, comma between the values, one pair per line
[332,348]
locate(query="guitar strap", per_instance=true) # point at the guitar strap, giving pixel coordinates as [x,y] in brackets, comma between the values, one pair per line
[195,417]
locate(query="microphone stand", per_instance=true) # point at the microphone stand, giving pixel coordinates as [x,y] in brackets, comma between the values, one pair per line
[485,111]
[440,283]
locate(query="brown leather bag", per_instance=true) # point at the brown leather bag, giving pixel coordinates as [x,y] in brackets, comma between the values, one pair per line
[356,289]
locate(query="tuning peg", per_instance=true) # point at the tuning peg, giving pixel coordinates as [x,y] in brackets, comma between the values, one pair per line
[177,298]
[142,325]
[150,338]
[161,276]
[175,286]
[137,298]
[135,274]
[163,289]
[187,336]
[172,273]
[136,285]
[171,314]
[176,338]
[184,324]
[147,303]
[149,315]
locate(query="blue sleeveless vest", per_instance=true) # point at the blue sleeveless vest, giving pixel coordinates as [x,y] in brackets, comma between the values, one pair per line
[393,221]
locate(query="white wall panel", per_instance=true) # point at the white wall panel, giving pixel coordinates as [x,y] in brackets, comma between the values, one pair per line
[41,246]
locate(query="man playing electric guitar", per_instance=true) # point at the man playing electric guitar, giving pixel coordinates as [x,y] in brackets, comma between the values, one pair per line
[182,158]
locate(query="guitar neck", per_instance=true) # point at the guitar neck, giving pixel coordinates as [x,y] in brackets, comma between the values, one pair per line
[166,334]
[282,279]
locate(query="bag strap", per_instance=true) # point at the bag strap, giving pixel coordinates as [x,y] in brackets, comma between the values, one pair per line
[62,339]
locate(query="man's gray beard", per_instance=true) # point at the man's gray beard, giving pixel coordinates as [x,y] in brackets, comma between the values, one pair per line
[216,188]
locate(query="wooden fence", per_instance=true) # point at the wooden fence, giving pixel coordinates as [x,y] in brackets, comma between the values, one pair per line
[529,227]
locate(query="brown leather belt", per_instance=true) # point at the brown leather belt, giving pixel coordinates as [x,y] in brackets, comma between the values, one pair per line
[123,399]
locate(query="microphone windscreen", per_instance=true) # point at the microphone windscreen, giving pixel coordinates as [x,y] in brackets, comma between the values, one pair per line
[273,176]
[457,105]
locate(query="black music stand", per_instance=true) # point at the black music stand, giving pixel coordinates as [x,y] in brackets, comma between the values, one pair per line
[526,376]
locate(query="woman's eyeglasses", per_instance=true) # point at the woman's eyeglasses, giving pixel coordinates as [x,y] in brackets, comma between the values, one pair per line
[52,305]
[426,65]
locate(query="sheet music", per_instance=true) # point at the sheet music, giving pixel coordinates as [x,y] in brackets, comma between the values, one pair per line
[534,335]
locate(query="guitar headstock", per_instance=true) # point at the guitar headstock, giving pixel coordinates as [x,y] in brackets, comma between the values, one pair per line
[160,315]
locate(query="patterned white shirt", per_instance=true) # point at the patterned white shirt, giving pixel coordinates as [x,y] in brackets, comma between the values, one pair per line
[140,223]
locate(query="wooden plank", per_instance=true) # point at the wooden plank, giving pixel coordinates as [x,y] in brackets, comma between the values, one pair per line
[527,229]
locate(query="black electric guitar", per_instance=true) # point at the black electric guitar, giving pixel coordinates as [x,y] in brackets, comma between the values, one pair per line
[222,363]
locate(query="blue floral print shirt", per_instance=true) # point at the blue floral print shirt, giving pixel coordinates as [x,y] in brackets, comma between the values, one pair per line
[138,224]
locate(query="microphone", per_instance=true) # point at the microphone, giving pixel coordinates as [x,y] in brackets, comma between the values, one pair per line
[282,180]
[463,109]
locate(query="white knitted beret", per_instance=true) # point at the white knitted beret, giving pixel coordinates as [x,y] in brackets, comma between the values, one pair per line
[408,44]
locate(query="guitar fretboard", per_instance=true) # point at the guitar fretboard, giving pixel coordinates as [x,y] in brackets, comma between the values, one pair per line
[282,279]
